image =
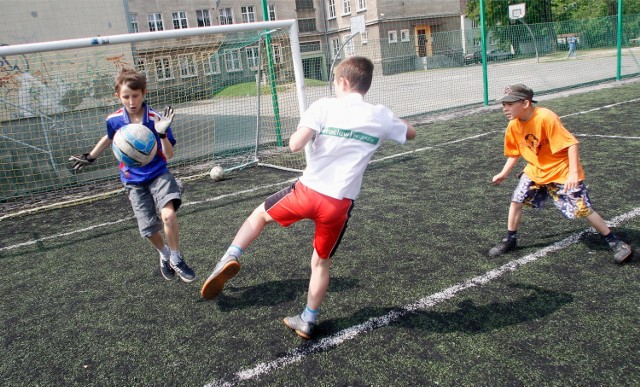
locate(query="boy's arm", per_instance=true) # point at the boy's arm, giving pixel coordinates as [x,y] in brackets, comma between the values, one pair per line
[83,160]
[573,179]
[300,138]
[167,147]
[508,166]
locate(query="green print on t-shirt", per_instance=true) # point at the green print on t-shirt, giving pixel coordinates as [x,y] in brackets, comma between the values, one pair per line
[346,133]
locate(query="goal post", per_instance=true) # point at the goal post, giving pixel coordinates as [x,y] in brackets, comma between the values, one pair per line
[237,98]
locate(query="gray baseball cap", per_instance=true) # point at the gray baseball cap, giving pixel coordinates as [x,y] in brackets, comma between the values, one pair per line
[517,92]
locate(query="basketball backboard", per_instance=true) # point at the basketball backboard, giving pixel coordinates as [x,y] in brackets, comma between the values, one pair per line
[516,11]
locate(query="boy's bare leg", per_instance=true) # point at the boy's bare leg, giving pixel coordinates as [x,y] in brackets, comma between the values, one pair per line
[319,281]
[170,221]
[252,227]
[596,221]
[515,216]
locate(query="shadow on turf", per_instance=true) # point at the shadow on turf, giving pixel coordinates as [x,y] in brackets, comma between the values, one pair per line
[273,293]
[468,318]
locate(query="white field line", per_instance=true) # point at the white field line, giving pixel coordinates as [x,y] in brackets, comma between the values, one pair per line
[425,303]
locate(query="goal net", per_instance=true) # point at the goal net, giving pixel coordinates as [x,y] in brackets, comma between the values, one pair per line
[237,91]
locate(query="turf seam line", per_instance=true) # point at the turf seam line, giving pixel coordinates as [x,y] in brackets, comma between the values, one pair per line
[340,337]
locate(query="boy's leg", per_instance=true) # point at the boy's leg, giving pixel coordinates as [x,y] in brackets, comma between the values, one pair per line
[228,266]
[304,323]
[510,241]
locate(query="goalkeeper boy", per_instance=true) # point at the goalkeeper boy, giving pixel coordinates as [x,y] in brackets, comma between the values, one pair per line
[150,187]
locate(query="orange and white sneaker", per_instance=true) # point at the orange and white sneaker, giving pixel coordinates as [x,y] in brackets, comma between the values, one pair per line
[226,269]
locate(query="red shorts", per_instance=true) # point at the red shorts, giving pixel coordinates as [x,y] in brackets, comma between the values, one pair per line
[299,202]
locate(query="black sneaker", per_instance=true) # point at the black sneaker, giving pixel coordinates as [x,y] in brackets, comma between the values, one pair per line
[303,329]
[505,245]
[165,269]
[621,251]
[184,271]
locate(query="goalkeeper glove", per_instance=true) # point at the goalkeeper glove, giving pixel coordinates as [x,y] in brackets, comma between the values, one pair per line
[162,123]
[79,162]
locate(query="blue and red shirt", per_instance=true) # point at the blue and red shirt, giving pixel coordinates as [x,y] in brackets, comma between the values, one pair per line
[157,166]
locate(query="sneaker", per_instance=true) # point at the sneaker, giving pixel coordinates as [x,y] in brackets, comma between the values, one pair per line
[166,270]
[226,269]
[303,329]
[503,247]
[621,251]
[184,271]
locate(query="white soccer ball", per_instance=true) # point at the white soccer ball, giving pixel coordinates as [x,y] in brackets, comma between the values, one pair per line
[135,145]
[216,173]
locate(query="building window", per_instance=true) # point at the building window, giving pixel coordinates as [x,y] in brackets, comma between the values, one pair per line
[187,64]
[133,22]
[335,47]
[232,60]
[248,14]
[393,36]
[346,7]
[163,68]
[304,4]
[404,36]
[211,64]
[332,9]
[226,16]
[179,20]
[364,37]
[307,25]
[204,17]
[155,22]
[348,48]
[277,53]
[362,5]
[272,12]
[310,46]
[253,58]
[141,65]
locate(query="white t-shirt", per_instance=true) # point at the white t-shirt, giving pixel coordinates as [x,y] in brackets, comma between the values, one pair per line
[349,131]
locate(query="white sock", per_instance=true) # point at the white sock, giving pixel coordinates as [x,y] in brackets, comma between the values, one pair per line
[165,253]
[309,316]
[233,250]
[176,258]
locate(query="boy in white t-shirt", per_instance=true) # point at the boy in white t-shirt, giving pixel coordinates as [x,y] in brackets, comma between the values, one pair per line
[340,135]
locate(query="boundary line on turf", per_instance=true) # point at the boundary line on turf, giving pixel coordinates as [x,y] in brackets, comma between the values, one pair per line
[350,333]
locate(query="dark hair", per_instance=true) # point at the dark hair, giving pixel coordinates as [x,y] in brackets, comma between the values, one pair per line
[130,77]
[358,70]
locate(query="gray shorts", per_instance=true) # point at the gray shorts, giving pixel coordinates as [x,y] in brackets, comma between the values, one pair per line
[146,199]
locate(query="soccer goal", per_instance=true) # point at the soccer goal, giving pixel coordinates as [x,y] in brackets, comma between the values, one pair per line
[237,90]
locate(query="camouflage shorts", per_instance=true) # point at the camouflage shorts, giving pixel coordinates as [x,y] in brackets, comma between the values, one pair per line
[574,204]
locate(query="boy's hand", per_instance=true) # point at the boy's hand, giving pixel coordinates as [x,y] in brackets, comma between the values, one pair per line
[162,123]
[79,162]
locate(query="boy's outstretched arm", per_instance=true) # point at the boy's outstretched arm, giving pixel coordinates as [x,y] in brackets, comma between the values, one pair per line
[300,138]
[83,160]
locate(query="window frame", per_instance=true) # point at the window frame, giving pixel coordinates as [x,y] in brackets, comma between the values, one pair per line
[204,17]
[272,12]
[133,23]
[228,54]
[154,20]
[208,59]
[331,6]
[187,67]
[248,13]
[179,20]
[253,57]
[226,14]
[393,36]
[168,65]
[346,7]
[361,5]
[405,36]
